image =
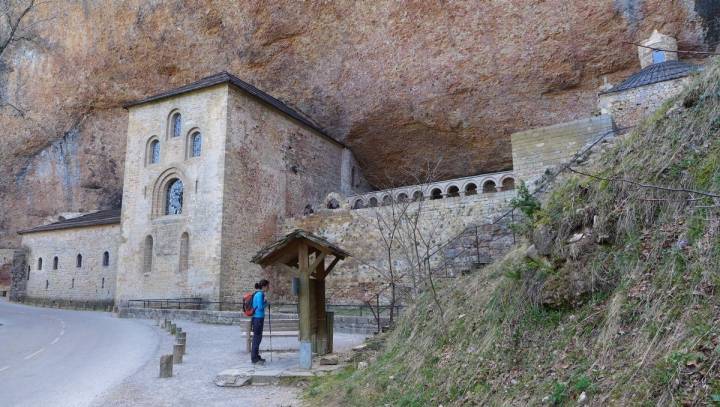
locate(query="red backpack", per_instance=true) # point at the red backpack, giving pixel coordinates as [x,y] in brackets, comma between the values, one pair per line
[248,304]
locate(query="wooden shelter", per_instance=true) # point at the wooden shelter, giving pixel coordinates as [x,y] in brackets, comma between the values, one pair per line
[306,253]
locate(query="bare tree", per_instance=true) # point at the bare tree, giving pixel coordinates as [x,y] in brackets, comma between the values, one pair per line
[14,27]
[408,237]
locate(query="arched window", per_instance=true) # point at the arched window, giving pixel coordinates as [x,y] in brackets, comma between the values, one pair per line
[148,254]
[106,259]
[78,260]
[436,193]
[508,184]
[55,263]
[373,202]
[47,284]
[72,283]
[470,189]
[176,125]
[387,200]
[184,251]
[453,191]
[153,152]
[39,263]
[418,196]
[402,197]
[174,197]
[102,285]
[489,186]
[195,144]
[359,204]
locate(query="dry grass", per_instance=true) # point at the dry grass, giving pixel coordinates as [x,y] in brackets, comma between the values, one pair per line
[639,320]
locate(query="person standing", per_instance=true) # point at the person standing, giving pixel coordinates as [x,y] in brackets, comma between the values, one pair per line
[258,319]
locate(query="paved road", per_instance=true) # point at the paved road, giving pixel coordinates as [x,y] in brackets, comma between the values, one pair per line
[52,357]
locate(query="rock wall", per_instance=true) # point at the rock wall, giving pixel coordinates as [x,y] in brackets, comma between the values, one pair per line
[399,81]
[6,262]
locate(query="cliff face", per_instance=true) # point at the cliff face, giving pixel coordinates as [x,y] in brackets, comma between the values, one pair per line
[402,83]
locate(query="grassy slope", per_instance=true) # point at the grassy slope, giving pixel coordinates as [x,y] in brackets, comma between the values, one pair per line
[632,320]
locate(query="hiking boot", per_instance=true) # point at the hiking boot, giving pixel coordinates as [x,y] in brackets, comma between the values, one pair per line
[260,362]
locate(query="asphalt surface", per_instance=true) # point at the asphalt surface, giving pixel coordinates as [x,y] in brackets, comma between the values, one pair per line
[53,357]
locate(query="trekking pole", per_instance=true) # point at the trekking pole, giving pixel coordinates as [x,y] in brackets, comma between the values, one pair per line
[270,326]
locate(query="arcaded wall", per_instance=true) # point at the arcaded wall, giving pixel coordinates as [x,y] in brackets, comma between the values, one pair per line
[70,280]
[145,188]
[356,230]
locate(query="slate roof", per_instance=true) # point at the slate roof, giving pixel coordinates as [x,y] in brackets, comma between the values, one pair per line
[225,77]
[108,217]
[269,250]
[660,72]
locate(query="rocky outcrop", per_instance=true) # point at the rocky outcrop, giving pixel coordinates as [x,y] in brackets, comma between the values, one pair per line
[401,82]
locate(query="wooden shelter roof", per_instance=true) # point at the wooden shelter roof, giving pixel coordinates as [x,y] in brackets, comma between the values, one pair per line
[285,250]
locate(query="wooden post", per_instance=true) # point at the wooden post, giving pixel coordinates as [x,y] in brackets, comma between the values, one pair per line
[313,313]
[166,362]
[320,321]
[304,301]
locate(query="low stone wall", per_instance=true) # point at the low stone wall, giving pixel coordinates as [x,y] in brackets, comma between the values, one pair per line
[343,324]
[69,304]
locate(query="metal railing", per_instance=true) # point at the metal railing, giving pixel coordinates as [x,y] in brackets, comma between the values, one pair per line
[291,308]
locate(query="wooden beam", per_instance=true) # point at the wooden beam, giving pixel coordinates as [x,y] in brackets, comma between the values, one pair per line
[328,269]
[318,260]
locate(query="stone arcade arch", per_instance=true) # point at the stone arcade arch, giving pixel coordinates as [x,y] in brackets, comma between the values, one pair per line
[489,187]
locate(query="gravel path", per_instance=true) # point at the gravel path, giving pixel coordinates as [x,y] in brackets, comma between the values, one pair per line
[210,350]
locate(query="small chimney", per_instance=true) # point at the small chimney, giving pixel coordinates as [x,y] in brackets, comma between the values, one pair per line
[654,56]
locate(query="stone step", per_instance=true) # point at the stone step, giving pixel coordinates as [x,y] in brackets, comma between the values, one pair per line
[281,334]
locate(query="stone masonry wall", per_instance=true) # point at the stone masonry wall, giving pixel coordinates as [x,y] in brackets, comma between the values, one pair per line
[274,168]
[356,231]
[6,262]
[19,273]
[535,150]
[145,185]
[91,282]
[628,108]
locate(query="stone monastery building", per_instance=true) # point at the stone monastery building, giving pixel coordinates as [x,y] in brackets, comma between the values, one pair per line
[210,168]
[217,169]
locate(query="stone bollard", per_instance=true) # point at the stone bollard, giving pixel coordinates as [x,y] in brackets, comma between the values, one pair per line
[173,329]
[178,331]
[177,353]
[165,324]
[182,336]
[166,363]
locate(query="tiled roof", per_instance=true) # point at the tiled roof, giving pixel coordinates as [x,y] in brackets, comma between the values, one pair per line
[660,72]
[108,217]
[225,77]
